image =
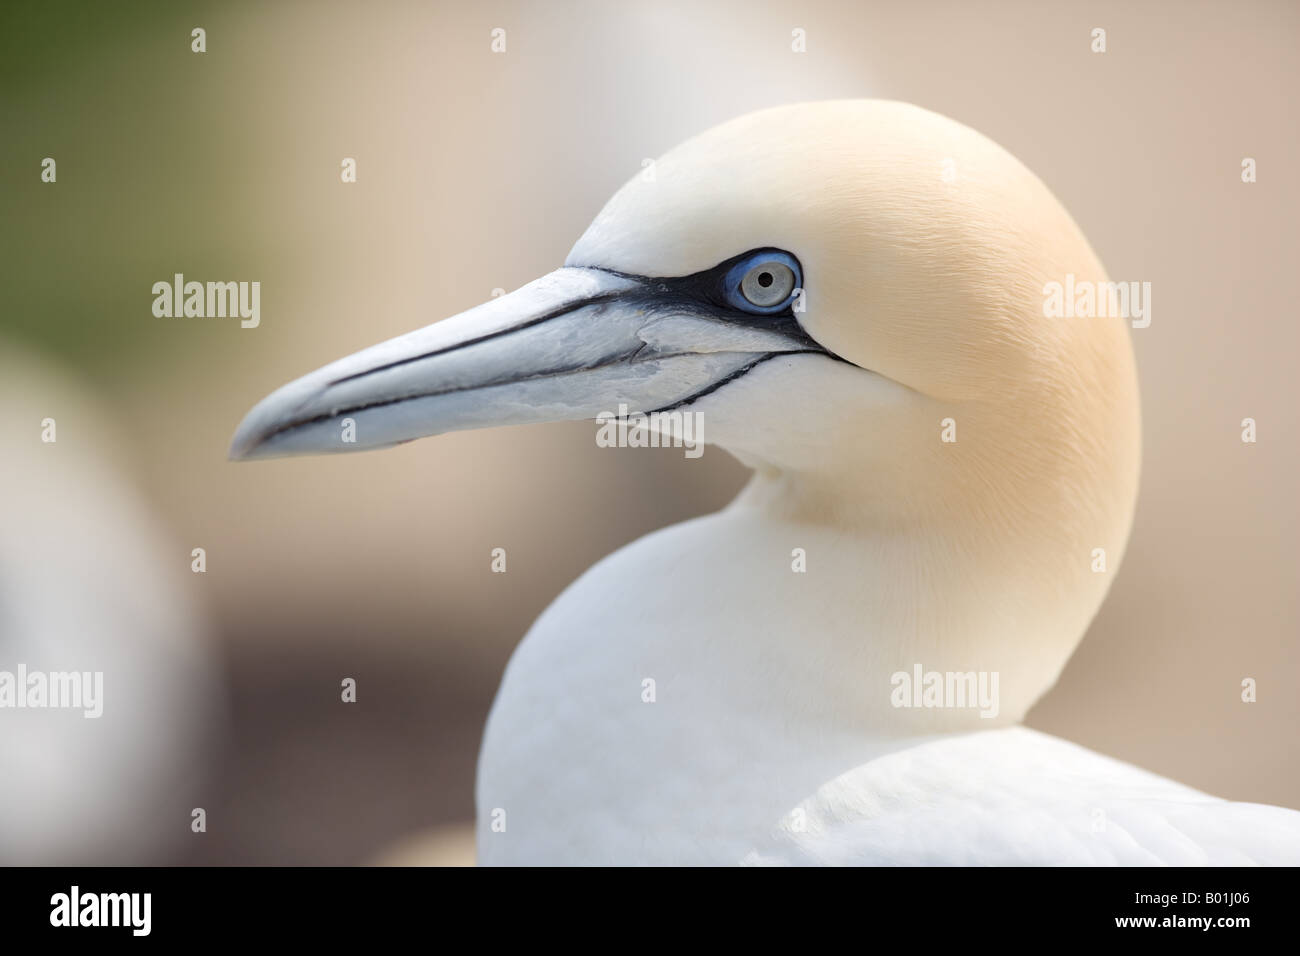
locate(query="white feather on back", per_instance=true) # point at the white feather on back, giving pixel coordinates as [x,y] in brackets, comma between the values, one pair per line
[1016,797]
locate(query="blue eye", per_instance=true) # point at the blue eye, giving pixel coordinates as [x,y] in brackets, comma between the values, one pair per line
[764,282]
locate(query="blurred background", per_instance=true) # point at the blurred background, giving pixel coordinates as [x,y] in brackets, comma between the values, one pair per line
[475,171]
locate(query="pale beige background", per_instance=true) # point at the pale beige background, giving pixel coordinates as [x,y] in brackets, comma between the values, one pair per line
[478,171]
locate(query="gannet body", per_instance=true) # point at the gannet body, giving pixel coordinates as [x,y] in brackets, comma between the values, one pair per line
[850,295]
[1016,797]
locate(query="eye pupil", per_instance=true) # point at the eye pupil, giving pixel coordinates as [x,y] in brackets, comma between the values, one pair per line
[767,285]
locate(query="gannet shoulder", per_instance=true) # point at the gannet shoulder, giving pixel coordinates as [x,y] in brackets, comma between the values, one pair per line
[1017,797]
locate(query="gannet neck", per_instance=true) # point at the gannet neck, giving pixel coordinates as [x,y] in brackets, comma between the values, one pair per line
[1002,540]
[754,703]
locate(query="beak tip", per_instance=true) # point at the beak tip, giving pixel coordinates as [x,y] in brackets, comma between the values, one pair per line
[242,445]
[268,418]
[250,438]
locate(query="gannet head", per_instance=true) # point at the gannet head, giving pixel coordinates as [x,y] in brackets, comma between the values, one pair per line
[840,289]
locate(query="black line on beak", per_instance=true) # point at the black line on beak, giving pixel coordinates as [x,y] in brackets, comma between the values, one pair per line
[528,323]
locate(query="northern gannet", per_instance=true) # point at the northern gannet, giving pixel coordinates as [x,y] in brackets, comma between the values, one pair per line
[831,286]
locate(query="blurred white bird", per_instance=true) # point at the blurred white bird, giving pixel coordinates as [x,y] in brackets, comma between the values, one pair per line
[851,295]
[89,584]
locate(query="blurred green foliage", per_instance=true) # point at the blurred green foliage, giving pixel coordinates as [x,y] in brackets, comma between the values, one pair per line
[155,157]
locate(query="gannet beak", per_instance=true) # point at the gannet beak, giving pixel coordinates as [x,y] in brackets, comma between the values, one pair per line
[566,347]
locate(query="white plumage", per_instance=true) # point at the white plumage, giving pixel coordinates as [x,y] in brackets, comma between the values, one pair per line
[924,251]
[1016,797]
